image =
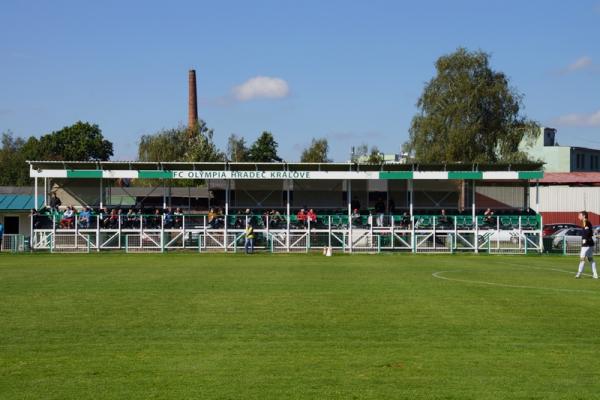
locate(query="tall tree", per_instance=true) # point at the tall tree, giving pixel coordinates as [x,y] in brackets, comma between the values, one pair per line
[362,155]
[316,152]
[178,144]
[264,149]
[468,113]
[13,166]
[236,148]
[81,141]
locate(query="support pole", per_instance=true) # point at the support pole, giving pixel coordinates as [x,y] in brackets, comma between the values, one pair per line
[164,205]
[35,193]
[349,198]
[45,191]
[101,194]
[227,190]
[473,205]
[411,191]
[287,210]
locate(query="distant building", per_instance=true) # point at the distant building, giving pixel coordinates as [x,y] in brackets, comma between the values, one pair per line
[561,158]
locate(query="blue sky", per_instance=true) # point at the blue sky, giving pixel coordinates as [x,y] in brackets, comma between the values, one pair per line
[347,71]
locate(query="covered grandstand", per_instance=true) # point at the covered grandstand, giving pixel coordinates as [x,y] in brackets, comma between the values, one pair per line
[356,207]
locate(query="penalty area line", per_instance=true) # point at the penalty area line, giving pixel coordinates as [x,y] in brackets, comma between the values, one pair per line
[439,275]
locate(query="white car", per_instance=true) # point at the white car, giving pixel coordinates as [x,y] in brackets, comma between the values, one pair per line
[572,236]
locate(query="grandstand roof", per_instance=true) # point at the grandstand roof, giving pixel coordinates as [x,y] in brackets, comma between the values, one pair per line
[17,202]
[280,166]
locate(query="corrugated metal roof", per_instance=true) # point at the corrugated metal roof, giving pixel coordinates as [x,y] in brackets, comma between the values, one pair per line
[573,178]
[17,202]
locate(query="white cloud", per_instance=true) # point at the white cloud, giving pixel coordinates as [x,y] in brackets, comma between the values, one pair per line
[581,63]
[261,87]
[579,119]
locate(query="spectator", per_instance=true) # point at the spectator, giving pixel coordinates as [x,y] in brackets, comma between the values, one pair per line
[380,211]
[156,219]
[168,217]
[113,220]
[211,218]
[67,219]
[35,218]
[301,217]
[355,218]
[178,218]
[1,234]
[130,218]
[105,217]
[443,220]
[488,217]
[55,202]
[405,222]
[355,204]
[311,216]
[391,207]
[249,245]
[84,218]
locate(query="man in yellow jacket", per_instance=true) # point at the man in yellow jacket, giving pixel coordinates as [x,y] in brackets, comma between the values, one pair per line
[249,245]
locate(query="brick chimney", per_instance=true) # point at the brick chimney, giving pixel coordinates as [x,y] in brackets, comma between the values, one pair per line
[192,101]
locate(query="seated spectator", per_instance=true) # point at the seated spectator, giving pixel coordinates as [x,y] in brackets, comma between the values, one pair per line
[211,218]
[355,217]
[301,217]
[130,219]
[68,218]
[488,217]
[156,219]
[311,216]
[178,218]
[405,221]
[276,219]
[84,218]
[355,204]
[443,220]
[113,220]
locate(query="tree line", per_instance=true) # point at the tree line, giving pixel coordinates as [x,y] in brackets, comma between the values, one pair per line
[467,112]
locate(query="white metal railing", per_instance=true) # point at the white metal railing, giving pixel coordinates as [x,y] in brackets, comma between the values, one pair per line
[282,233]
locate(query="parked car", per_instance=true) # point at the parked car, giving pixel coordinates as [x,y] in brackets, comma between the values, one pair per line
[551,229]
[571,235]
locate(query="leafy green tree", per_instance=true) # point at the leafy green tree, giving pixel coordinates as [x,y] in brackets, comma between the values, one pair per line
[81,141]
[178,144]
[316,152]
[362,155]
[468,113]
[264,149]
[13,166]
[375,156]
[236,148]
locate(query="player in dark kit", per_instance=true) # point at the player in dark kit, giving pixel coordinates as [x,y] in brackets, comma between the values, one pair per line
[587,245]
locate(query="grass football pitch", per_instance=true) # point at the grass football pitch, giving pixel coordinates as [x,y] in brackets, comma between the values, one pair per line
[217,326]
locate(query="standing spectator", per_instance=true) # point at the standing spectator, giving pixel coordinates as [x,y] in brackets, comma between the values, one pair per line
[168,216]
[1,234]
[249,245]
[55,202]
[380,211]
[35,218]
[443,221]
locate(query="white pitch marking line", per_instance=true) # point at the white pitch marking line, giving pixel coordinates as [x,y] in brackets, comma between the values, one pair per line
[439,276]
